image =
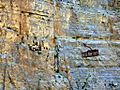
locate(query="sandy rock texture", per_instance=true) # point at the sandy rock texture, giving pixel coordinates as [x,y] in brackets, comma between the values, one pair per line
[41,44]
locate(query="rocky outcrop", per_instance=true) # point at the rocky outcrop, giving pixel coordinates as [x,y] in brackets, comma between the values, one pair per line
[41,42]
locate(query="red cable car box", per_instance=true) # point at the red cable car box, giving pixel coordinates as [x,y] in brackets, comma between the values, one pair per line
[90,53]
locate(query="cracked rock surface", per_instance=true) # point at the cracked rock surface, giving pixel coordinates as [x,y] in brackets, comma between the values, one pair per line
[41,44]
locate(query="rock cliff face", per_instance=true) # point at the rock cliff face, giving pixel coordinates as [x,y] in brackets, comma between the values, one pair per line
[41,44]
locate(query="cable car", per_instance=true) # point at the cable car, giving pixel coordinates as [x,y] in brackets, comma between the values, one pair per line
[90,53]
